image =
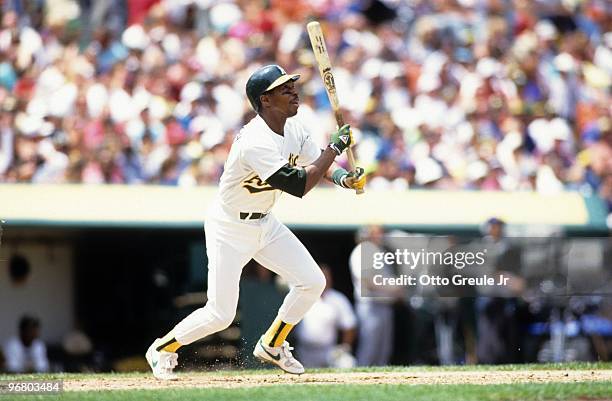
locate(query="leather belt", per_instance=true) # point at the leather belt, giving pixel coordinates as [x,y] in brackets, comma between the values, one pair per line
[252,215]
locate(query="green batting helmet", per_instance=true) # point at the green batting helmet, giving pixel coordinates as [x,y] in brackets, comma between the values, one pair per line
[265,79]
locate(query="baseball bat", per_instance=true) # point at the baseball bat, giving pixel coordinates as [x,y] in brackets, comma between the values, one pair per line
[320,51]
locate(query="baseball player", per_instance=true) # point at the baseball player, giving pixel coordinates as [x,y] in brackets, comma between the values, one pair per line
[270,155]
[374,311]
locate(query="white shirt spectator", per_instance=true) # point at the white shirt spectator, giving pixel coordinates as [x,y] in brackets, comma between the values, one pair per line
[6,149]
[330,313]
[20,359]
[377,295]
[55,164]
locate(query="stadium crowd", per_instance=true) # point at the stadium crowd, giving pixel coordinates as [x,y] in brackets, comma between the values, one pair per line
[463,94]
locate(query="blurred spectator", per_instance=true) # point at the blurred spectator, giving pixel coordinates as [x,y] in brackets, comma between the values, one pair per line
[318,331]
[497,321]
[374,304]
[79,351]
[19,269]
[26,353]
[486,95]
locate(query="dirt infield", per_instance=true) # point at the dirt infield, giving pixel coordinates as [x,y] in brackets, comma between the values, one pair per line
[216,380]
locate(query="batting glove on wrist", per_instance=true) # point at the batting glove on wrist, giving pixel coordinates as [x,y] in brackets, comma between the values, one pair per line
[341,139]
[355,179]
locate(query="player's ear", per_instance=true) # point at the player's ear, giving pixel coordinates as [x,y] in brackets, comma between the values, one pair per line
[264,100]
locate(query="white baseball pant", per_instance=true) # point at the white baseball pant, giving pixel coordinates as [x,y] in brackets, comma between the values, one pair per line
[230,244]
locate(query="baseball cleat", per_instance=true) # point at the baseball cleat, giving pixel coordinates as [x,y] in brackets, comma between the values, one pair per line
[280,356]
[162,363]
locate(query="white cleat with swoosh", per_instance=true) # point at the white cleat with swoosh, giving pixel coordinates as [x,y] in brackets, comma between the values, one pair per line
[280,356]
[162,363]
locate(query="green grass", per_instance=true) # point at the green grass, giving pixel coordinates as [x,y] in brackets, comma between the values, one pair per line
[346,392]
[462,392]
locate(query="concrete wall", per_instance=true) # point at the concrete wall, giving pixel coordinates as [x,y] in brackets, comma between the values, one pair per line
[163,206]
[48,293]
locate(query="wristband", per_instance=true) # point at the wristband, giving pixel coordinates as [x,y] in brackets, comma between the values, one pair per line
[334,147]
[338,176]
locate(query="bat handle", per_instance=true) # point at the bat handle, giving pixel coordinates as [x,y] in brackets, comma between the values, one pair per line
[349,152]
[352,164]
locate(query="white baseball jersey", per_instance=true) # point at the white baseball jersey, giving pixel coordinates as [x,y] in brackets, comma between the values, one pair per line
[256,154]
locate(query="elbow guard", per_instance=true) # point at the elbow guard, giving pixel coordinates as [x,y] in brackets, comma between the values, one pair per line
[289,179]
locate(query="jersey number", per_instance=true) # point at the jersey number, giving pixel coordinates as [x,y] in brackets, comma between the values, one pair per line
[293,159]
[256,184]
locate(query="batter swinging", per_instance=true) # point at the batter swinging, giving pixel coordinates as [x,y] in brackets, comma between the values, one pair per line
[272,154]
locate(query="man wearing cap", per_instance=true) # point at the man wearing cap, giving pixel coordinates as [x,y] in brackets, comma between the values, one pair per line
[271,154]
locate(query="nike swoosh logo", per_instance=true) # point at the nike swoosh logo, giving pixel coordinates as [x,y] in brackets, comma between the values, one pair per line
[155,363]
[275,357]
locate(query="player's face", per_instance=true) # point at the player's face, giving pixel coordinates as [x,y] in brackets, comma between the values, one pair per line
[284,99]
